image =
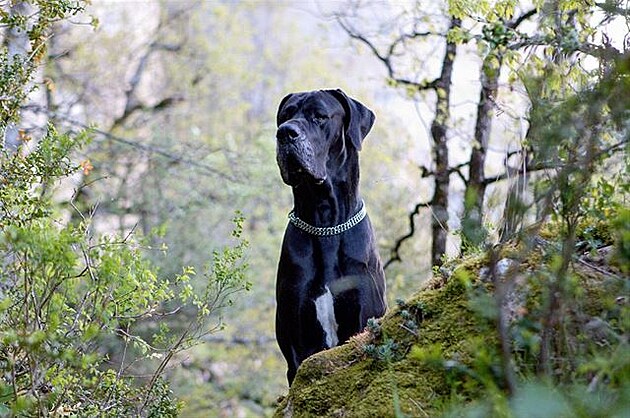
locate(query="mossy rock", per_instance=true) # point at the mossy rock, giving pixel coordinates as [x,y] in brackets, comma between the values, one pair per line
[347,381]
[391,369]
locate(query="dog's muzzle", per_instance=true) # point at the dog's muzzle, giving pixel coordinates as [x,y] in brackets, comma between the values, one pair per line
[296,155]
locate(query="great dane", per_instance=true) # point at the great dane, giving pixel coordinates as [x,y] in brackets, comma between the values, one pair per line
[330,278]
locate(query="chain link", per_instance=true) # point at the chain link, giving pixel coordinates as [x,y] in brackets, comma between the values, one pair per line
[330,230]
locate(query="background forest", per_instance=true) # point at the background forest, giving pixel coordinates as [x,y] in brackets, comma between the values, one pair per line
[142,209]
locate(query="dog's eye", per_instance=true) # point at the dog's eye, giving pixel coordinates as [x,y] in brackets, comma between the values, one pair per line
[319,118]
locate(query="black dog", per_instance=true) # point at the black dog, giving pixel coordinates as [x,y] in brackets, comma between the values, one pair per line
[330,278]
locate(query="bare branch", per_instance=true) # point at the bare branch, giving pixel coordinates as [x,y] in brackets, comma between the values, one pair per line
[395,253]
[132,104]
[605,52]
[611,7]
[537,40]
[174,158]
[261,341]
[406,36]
[455,169]
[386,58]
[515,23]
[547,165]
[439,129]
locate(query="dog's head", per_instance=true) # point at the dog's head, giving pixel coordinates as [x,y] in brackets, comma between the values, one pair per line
[313,125]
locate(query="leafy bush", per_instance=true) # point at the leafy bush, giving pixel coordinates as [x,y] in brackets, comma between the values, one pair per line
[560,309]
[64,293]
[74,307]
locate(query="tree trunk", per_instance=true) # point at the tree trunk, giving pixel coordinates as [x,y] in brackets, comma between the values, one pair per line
[472,227]
[439,128]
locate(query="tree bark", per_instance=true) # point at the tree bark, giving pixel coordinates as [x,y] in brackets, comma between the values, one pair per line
[439,129]
[472,227]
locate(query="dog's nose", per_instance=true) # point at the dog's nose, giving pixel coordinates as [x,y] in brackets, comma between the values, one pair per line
[287,133]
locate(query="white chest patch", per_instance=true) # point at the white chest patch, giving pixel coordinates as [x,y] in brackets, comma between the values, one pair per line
[326,316]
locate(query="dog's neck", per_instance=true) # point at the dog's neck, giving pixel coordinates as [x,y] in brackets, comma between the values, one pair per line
[334,201]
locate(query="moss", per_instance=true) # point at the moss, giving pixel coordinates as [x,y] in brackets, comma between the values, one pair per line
[434,326]
[345,381]
[599,289]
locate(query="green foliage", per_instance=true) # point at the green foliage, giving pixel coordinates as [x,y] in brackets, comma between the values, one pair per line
[489,10]
[473,235]
[63,294]
[21,171]
[452,365]
[60,294]
[75,307]
[539,399]
[16,71]
[621,226]
[385,351]
[497,35]
[558,343]
[13,75]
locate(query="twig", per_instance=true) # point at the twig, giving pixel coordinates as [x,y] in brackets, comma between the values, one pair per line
[178,159]
[260,341]
[412,229]
[386,59]
[403,326]
[598,269]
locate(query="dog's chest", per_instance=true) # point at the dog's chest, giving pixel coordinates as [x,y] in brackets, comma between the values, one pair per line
[325,310]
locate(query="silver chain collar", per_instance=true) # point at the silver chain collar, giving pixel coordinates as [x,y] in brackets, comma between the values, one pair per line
[330,230]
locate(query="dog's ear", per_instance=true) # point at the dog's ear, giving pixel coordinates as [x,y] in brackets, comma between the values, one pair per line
[282,102]
[359,119]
